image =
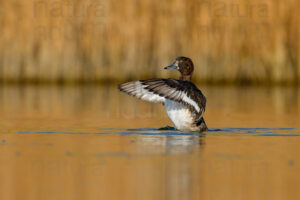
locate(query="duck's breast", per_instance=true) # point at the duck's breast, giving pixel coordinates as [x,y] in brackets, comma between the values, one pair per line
[180,115]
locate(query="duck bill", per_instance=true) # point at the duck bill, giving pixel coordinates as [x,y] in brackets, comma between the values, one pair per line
[173,66]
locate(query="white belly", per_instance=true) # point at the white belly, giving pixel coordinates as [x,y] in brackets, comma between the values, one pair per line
[180,116]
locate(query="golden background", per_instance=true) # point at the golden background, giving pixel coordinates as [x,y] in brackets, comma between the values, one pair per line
[99,41]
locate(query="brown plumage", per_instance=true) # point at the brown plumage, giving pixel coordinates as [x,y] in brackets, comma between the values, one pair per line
[185,103]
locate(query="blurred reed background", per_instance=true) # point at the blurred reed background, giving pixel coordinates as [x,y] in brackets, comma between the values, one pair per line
[108,40]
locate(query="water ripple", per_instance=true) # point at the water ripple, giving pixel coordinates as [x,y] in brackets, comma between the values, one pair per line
[171,131]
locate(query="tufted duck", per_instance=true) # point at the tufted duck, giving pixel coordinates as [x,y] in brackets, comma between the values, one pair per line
[184,102]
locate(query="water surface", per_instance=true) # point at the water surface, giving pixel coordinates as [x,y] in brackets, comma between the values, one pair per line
[90,142]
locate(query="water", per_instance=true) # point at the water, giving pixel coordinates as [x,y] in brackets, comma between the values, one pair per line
[91,142]
[173,132]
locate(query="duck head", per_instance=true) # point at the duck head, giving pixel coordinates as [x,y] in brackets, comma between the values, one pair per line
[185,66]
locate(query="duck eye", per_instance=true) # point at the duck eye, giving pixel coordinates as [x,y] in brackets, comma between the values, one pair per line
[181,61]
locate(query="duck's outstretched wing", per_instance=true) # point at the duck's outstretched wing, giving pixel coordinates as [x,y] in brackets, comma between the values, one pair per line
[139,89]
[158,90]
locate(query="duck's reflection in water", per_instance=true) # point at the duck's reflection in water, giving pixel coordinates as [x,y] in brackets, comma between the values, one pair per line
[180,166]
[184,145]
[170,144]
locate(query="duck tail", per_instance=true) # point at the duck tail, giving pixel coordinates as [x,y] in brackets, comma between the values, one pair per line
[202,125]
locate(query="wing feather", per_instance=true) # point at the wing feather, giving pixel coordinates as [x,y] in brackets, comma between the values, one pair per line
[137,89]
[158,90]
